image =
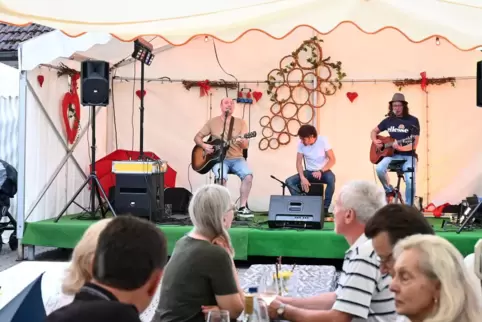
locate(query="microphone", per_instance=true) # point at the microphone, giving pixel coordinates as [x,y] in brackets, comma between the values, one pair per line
[390,114]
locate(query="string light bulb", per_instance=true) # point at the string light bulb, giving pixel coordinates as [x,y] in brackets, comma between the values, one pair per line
[437,41]
[206,38]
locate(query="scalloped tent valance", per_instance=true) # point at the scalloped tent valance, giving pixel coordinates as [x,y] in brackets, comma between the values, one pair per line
[458,21]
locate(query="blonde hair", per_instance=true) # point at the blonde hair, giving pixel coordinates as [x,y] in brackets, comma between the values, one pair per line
[439,260]
[80,269]
[207,209]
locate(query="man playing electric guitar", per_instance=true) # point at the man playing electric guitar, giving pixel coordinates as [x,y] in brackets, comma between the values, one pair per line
[399,125]
[234,161]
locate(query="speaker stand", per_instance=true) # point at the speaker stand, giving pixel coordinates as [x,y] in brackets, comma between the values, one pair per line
[95,187]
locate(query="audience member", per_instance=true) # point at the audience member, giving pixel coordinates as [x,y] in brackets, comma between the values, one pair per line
[201,273]
[391,224]
[127,268]
[431,282]
[77,273]
[362,293]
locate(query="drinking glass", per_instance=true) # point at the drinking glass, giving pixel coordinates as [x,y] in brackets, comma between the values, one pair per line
[263,313]
[290,285]
[218,316]
[268,287]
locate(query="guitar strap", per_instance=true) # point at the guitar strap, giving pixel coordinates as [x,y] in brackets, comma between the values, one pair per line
[230,131]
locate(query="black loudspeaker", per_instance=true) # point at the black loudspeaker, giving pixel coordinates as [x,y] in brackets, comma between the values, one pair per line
[479,84]
[179,199]
[94,77]
[301,212]
[140,195]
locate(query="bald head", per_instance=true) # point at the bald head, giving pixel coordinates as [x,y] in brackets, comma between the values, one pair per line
[227,104]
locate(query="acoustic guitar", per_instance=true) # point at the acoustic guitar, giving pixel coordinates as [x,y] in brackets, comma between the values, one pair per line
[377,154]
[202,162]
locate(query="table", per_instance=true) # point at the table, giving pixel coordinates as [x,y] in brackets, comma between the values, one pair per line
[14,279]
[312,279]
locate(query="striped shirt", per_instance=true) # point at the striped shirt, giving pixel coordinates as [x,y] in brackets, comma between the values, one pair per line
[362,290]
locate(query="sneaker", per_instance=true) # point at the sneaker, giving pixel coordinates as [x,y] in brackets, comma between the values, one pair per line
[244,212]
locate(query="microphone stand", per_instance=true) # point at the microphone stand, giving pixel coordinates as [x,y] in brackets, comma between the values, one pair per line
[284,185]
[222,156]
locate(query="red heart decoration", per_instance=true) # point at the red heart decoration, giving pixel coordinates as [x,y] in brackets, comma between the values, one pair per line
[40,80]
[71,99]
[257,95]
[352,96]
[140,94]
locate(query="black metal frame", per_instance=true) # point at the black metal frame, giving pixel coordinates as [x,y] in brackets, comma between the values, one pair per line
[95,186]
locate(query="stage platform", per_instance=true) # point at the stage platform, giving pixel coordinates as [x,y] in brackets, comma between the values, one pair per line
[253,239]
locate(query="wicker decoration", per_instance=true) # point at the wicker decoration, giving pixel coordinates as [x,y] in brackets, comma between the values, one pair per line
[292,96]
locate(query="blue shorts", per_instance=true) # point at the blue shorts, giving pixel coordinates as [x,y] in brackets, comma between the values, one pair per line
[237,166]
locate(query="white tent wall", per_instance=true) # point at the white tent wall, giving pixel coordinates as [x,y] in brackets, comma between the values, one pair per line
[449,163]
[9,120]
[45,149]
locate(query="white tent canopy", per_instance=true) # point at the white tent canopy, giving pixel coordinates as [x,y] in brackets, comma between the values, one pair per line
[459,21]
[177,22]
[33,52]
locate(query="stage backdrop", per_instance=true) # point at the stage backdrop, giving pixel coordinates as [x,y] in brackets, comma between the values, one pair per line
[449,156]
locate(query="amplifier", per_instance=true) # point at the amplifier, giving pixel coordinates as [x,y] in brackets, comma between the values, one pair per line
[301,212]
[140,194]
[142,167]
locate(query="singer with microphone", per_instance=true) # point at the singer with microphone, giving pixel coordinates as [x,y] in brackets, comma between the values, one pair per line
[224,127]
[400,125]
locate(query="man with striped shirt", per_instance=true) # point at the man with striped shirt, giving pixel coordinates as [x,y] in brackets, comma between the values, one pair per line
[362,293]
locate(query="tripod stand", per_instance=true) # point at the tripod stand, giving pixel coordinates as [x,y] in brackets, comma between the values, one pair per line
[471,216]
[95,188]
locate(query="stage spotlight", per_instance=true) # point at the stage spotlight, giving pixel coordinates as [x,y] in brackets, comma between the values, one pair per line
[143,51]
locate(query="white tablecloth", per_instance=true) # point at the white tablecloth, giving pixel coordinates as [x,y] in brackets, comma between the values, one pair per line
[16,278]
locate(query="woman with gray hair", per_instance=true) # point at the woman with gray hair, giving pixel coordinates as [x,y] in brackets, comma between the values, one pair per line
[431,282]
[201,274]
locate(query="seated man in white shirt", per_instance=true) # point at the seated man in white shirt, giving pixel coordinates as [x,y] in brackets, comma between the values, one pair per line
[362,293]
[319,158]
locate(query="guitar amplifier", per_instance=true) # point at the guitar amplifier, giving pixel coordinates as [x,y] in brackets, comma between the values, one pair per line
[301,212]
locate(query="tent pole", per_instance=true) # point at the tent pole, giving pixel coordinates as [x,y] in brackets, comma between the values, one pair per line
[367,80]
[168,80]
[22,143]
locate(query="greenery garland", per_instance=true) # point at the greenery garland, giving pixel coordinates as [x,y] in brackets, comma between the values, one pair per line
[400,83]
[188,84]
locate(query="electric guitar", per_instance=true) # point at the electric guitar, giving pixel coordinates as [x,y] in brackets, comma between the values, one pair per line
[387,150]
[202,162]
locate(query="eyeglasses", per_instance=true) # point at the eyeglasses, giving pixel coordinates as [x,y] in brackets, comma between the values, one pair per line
[385,260]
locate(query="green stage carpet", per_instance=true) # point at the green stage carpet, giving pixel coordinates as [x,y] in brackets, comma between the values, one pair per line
[255,239]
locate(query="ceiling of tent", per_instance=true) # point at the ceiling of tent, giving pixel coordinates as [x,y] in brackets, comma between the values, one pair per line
[459,21]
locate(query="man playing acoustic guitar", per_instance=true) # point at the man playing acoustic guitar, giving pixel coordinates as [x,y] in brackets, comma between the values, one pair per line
[400,125]
[234,161]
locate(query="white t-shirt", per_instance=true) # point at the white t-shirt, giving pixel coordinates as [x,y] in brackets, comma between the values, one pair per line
[315,154]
